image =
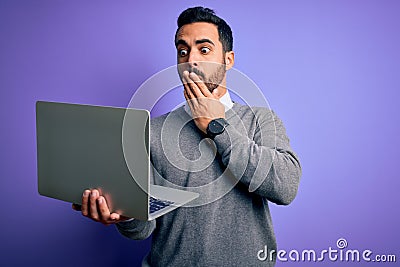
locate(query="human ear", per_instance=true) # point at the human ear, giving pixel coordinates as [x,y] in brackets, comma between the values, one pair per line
[229,60]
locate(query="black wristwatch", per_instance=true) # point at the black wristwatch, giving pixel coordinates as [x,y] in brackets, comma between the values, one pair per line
[216,127]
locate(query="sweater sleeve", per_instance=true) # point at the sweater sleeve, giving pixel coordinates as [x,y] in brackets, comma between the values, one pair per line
[265,163]
[136,229]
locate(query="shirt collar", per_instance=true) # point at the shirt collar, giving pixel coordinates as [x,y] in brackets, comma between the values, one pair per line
[225,100]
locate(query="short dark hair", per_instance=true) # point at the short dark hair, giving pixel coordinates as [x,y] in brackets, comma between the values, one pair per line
[203,14]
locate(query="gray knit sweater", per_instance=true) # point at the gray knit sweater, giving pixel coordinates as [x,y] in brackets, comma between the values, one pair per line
[253,154]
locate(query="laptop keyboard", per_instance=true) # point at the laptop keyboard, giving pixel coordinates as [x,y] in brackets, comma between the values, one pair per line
[158,204]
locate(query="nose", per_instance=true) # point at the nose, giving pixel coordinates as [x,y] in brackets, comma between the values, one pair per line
[193,58]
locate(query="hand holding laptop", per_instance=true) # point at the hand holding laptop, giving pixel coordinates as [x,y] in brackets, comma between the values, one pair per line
[94,206]
[82,146]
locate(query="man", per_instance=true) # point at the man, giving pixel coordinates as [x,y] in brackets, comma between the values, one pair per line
[251,149]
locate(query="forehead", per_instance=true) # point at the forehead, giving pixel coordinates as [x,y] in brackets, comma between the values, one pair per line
[198,30]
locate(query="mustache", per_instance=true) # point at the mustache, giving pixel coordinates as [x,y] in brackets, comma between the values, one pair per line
[197,71]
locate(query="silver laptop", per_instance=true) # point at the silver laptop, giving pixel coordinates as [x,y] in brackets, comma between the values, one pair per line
[81,147]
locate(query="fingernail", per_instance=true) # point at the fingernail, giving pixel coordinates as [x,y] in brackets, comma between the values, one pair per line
[86,193]
[101,200]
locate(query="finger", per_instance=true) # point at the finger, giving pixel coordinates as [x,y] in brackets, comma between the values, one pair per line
[85,203]
[93,205]
[103,208]
[216,93]
[76,207]
[193,86]
[115,216]
[189,100]
[200,84]
[188,86]
[186,96]
[184,79]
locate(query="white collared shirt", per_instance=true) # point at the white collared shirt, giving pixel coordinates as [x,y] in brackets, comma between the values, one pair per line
[225,100]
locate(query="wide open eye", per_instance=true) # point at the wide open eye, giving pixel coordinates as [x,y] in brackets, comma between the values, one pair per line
[182,52]
[205,50]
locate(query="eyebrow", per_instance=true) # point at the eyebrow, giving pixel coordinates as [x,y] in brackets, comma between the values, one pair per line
[201,41]
[181,42]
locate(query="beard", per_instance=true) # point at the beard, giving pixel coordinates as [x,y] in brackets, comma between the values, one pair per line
[213,80]
[216,77]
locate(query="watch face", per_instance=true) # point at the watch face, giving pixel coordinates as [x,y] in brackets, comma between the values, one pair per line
[216,127]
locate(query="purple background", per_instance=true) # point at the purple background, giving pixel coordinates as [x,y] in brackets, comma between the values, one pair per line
[330,69]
